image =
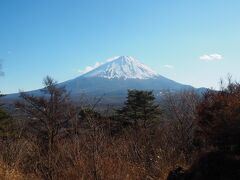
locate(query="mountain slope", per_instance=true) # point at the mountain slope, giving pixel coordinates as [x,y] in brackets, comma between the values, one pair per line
[119,75]
[115,77]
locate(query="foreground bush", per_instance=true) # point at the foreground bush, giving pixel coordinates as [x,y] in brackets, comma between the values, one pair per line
[219,118]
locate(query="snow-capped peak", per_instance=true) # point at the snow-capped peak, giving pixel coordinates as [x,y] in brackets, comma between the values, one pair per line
[122,67]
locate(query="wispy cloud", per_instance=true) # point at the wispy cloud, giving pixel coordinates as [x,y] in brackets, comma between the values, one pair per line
[113,58]
[168,66]
[211,57]
[97,64]
[90,68]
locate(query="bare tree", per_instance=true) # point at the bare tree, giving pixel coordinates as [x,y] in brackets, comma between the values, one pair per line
[219,118]
[181,110]
[48,117]
[93,123]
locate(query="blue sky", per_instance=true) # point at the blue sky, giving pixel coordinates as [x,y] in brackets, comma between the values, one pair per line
[192,42]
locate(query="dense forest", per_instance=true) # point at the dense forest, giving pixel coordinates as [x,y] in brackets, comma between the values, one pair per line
[187,136]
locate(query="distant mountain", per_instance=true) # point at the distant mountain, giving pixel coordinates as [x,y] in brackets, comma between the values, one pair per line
[113,78]
[118,75]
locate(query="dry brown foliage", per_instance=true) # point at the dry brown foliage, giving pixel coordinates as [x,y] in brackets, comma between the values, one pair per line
[55,141]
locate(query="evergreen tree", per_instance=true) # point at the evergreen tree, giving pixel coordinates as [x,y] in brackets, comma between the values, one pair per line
[141,113]
[139,109]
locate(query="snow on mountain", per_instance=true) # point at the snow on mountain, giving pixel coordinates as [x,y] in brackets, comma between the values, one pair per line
[122,67]
[114,78]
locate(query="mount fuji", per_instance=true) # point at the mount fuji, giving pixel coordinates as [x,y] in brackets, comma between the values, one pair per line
[113,78]
[119,74]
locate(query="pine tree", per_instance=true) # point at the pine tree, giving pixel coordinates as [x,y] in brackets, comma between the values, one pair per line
[139,109]
[142,114]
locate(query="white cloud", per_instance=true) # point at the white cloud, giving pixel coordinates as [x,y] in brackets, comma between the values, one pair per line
[97,64]
[168,66]
[211,57]
[90,68]
[113,58]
